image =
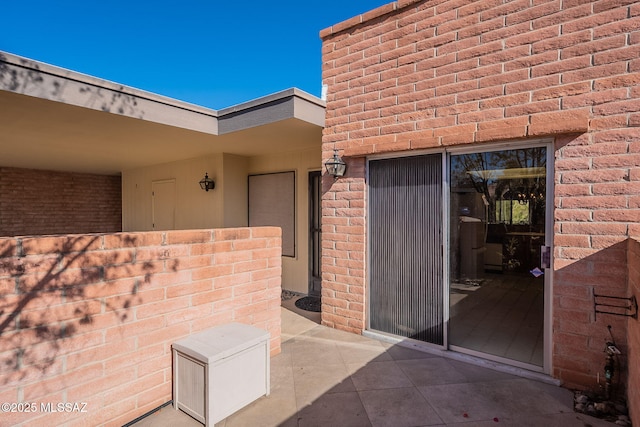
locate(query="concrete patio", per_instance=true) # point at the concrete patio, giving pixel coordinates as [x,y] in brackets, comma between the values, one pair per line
[325,377]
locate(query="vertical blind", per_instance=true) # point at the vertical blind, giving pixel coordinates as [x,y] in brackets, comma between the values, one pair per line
[406,266]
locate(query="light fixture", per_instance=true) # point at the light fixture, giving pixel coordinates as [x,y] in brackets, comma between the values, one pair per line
[335,166]
[526,194]
[207,183]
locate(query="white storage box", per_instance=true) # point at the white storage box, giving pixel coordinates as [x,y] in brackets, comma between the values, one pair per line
[219,371]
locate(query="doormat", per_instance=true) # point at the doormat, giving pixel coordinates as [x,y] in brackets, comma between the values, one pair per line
[309,304]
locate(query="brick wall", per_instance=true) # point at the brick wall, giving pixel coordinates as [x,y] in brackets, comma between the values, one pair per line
[633,334]
[37,202]
[343,249]
[91,318]
[415,75]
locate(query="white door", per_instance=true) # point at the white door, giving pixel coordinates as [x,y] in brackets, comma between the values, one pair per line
[163,212]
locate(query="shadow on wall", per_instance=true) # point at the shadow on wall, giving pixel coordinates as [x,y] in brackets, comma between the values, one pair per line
[29,79]
[580,334]
[51,299]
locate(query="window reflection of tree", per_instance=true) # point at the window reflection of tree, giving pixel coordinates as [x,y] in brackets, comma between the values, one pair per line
[488,180]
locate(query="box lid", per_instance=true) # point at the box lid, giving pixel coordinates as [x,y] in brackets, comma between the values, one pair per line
[221,342]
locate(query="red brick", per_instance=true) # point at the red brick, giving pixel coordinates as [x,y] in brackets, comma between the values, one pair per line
[616,161]
[595,228]
[118,297]
[573,215]
[619,107]
[481,116]
[595,202]
[626,215]
[532,84]
[497,134]
[618,26]
[594,20]
[559,122]
[551,105]
[424,143]
[505,32]
[561,91]
[576,240]
[587,48]
[595,176]
[130,240]
[560,66]
[193,236]
[445,111]
[595,150]
[468,128]
[594,72]
[67,207]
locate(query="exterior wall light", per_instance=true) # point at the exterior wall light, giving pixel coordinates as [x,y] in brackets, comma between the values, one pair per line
[336,167]
[207,183]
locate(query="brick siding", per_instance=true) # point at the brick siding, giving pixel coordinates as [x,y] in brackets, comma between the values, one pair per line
[38,202]
[91,318]
[415,75]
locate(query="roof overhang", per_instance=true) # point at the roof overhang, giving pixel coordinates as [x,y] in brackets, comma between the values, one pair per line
[58,119]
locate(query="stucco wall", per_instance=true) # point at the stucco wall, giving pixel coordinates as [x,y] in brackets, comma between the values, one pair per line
[295,270]
[235,190]
[195,208]
[37,202]
[91,318]
[227,204]
[416,75]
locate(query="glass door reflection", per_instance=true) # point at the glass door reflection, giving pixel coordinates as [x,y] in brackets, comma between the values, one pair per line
[498,222]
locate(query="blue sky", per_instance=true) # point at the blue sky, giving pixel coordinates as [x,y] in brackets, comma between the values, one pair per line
[211,53]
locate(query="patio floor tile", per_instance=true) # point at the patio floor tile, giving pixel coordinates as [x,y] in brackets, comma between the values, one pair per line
[378,375]
[400,407]
[324,377]
[334,409]
[423,372]
[484,401]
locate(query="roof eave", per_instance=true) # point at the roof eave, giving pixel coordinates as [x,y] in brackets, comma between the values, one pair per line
[33,78]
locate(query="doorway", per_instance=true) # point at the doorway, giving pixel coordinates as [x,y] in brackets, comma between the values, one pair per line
[498,209]
[163,204]
[406,268]
[315,232]
[456,244]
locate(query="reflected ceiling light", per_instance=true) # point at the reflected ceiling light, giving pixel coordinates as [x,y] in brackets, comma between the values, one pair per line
[510,173]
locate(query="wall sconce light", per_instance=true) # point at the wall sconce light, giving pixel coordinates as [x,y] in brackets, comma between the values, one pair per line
[336,167]
[207,183]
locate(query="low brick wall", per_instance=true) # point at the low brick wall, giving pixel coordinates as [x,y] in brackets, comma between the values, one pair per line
[91,318]
[633,334]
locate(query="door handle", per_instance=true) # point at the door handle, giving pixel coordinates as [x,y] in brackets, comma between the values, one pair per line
[545,256]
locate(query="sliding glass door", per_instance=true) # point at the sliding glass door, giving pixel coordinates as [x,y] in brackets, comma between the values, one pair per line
[462,269]
[497,229]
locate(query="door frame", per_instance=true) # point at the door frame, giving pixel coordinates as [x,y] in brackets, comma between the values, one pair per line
[311,281]
[547,367]
[445,272]
[153,200]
